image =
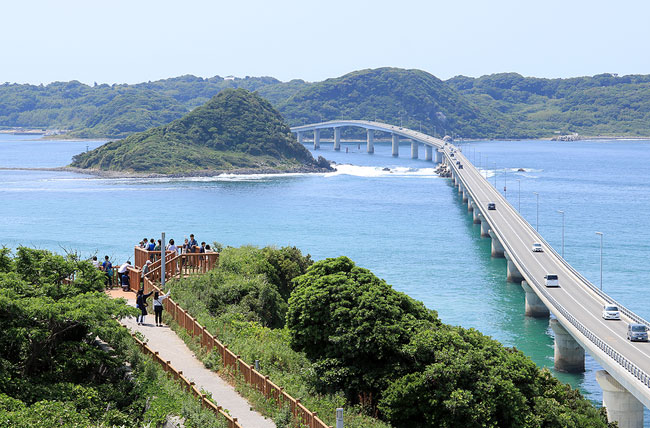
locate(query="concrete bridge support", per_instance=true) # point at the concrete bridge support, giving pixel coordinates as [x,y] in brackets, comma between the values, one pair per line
[476,214]
[569,355]
[337,138]
[301,136]
[470,206]
[497,248]
[438,156]
[535,308]
[513,274]
[622,406]
[395,145]
[414,149]
[465,198]
[316,139]
[371,141]
[428,152]
[485,226]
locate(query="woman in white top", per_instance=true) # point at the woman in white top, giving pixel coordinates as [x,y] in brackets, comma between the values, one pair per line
[158,306]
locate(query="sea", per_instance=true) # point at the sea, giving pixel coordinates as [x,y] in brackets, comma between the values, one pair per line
[394,216]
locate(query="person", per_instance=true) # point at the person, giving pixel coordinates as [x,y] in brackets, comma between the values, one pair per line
[158,245]
[145,270]
[208,249]
[158,306]
[123,271]
[152,245]
[185,246]
[192,245]
[107,267]
[173,248]
[144,243]
[141,303]
[202,249]
[96,263]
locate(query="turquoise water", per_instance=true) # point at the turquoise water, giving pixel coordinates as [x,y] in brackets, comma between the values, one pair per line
[406,225]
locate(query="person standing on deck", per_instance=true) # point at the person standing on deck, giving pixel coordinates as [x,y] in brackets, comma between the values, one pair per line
[144,243]
[192,245]
[173,248]
[123,271]
[107,267]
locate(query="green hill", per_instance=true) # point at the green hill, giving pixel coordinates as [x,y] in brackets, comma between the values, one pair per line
[386,94]
[235,131]
[604,104]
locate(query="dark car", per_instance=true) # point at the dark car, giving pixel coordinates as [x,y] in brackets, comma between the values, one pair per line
[492,206]
[637,333]
[460,166]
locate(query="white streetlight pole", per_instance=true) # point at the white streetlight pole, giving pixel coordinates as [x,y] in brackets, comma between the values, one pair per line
[519,202]
[562,212]
[601,259]
[537,223]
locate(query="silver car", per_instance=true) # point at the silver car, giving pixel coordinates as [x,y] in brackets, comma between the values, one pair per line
[637,333]
[611,312]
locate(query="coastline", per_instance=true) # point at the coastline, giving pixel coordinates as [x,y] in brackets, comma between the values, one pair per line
[209,173]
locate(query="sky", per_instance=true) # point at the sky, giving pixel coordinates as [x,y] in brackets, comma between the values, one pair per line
[139,40]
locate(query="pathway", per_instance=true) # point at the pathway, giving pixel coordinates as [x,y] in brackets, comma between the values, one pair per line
[172,348]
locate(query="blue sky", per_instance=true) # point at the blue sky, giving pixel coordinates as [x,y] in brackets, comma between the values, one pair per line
[138,40]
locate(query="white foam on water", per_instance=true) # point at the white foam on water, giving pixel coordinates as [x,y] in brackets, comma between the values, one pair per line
[377,171]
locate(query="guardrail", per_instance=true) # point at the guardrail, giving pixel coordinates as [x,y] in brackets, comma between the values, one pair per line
[186,383]
[254,378]
[629,366]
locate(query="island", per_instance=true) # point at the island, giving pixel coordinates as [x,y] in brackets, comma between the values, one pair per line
[236,131]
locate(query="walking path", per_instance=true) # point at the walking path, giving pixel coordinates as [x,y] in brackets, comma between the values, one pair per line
[173,349]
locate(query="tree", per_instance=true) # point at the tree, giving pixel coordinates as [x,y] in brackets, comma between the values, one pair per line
[353,325]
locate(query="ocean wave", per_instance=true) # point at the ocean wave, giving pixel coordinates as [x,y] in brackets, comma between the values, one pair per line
[378,171]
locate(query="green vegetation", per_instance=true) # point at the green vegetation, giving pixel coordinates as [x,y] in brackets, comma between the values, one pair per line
[54,373]
[504,105]
[351,341]
[235,130]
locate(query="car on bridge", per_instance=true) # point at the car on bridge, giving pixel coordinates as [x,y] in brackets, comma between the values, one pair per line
[551,280]
[492,206]
[537,248]
[611,312]
[637,333]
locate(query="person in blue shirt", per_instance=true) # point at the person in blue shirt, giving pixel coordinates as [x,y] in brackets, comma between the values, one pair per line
[192,246]
[107,267]
[152,245]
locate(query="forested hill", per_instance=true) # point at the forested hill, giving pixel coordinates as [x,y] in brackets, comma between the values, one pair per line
[605,104]
[495,106]
[235,131]
[388,94]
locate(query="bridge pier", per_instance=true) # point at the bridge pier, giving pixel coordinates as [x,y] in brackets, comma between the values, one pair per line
[301,136]
[513,274]
[337,138]
[621,405]
[395,145]
[465,198]
[569,355]
[428,152]
[414,149]
[497,249]
[371,141]
[476,215]
[470,206]
[535,308]
[438,156]
[316,139]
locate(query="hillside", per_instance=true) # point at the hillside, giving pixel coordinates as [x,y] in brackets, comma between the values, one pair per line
[386,94]
[604,104]
[235,131]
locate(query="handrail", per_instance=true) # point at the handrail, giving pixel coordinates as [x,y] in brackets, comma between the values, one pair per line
[254,378]
[188,385]
[629,366]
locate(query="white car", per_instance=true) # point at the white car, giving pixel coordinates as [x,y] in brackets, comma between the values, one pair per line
[537,248]
[551,280]
[611,312]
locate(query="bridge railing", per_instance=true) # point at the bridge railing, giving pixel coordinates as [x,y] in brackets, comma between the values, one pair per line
[629,366]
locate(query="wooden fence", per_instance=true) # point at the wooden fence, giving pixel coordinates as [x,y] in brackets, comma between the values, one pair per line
[254,378]
[186,384]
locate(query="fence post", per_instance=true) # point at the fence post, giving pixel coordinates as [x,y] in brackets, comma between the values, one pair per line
[257,365]
[339,417]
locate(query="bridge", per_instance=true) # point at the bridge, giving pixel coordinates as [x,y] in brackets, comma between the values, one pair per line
[576,305]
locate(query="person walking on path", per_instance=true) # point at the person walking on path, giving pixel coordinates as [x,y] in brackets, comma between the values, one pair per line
[123,271]
[141,303]
[158,306]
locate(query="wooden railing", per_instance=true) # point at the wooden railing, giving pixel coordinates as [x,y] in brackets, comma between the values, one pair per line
[186,383]
[142,255]
[254,378]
